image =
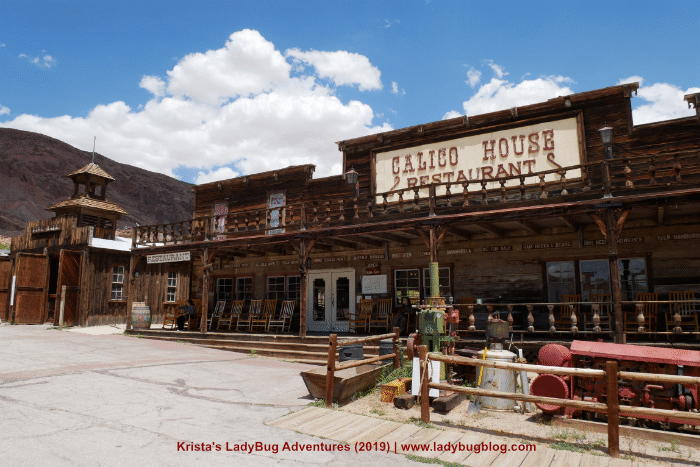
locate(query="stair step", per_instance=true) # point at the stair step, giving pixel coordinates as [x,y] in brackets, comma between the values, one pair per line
[285,355]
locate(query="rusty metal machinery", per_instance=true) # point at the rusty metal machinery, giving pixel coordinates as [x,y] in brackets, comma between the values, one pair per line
[437,329]
[631,358]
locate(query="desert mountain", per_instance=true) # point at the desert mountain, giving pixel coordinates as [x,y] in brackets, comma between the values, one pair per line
[32,177]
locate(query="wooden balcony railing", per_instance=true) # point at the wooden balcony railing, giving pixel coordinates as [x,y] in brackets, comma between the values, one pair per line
[598,178]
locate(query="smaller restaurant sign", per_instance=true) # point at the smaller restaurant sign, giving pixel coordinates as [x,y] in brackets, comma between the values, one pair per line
[168,257]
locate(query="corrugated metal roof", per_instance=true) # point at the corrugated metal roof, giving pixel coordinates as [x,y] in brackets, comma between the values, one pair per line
[92,169]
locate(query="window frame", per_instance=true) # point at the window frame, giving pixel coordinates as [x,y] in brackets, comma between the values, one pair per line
[171,288]
[118,283]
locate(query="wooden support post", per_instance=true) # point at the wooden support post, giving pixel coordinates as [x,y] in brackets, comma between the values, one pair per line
[612,235]
[330,369]
[63,305]
[613,409]
[131,293]
[395,339]
[302,245]
[424,380]
[205,291]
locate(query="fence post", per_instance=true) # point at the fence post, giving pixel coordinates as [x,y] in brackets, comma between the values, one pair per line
[424,380]
[63,305]
[330,370]
[613,409]
[397,360]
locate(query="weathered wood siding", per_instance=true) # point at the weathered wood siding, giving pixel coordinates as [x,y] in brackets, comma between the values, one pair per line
[152,284]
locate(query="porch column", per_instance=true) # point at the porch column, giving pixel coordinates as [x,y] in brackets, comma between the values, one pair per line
[205,290]
[612,236]
[302,244]
[131,293]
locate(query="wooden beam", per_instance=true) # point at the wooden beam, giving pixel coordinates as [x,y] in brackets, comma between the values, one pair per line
[323,247]
[490,229]
[461,233]
[365,240]
[392,238]
[337,242]
[530,227]
[566,220]
[660,215]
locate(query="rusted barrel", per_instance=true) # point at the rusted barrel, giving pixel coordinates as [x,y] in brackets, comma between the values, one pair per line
[140,316]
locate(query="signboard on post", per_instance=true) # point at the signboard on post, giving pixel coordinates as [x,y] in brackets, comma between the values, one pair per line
[517,151]
[168,257]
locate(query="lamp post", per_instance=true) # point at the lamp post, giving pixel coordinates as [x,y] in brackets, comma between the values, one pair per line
[353,179]
[606,134]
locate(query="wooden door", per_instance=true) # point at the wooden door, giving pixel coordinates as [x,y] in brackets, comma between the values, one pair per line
[32,272]
[5,281]
[69,267]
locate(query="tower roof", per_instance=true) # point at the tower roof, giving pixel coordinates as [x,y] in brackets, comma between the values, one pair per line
[87,202]
[92,169]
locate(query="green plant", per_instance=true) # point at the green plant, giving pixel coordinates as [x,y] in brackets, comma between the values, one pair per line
[253,352]
[672,447]
[432,460]
[322,403]
[377,412]
[419,422]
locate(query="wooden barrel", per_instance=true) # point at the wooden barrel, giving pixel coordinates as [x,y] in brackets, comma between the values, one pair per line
[140,316]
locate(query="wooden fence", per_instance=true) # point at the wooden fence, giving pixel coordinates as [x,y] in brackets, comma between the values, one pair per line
[611,407]
[332,367]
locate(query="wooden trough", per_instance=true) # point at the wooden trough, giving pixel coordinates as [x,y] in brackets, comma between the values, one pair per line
[346,382]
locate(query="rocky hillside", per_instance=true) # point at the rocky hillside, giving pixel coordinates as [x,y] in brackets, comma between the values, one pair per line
[32,177]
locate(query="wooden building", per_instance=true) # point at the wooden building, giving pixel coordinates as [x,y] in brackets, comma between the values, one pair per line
[523,209]
[77,249]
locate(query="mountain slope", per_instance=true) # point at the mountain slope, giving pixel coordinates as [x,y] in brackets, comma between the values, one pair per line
[32,177]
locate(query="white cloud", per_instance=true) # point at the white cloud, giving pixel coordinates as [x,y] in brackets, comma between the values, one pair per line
[499,94]
[395,89]
[44,61]
[2,45]
[451,114]
[473,77]
[498,70]
[154,85]
[341,67]
[239,108]
[223,173]
[663,101]
[632,79]
[4,110]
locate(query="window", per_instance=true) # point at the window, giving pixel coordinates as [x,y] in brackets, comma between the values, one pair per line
[244,288]
[117,283]
[633,277]
[172,287]
[561,280]
[219,220]
[276,203]
[293,288]
[594,278]
[275,288]
[224,289]
[407,284]
[444,280]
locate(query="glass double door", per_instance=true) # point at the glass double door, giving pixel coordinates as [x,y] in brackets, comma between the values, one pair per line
[330,300]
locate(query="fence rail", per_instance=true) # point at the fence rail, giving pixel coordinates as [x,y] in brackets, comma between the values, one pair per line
[611,407]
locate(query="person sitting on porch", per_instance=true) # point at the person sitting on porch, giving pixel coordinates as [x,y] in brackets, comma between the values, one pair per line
[189,312]
[402,313]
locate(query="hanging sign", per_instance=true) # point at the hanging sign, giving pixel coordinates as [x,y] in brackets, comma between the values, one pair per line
[517,151]
[168,257]
[372,269]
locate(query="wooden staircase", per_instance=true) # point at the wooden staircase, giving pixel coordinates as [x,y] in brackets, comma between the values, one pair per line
[311,349]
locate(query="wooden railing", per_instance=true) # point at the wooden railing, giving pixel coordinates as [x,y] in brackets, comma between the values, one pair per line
[332,367]
[611,407]
[592,179]
[576,320]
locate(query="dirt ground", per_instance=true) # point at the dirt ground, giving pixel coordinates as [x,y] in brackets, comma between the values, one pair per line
[533,428]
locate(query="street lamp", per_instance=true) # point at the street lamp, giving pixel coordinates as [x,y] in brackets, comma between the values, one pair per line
[606,134]
[353,179]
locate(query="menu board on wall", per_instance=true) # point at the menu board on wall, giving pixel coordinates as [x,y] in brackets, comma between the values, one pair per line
[374,284]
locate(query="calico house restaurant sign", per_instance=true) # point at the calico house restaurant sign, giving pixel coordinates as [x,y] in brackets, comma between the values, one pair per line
[518,151]
[168,257]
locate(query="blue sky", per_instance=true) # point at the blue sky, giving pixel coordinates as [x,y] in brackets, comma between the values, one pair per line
[214,89]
